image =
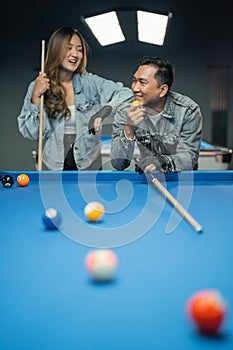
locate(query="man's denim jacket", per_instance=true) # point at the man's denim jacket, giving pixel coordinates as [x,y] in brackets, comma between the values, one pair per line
[172,144]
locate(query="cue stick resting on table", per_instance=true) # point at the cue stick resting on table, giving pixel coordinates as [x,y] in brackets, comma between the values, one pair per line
[41,112]
[173,201]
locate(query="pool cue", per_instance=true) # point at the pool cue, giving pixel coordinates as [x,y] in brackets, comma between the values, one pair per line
[41,112]
[174,202]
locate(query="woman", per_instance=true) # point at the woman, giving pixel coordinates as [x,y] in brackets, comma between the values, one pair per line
[71,97]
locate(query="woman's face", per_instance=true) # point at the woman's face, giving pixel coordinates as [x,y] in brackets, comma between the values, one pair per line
[73,54]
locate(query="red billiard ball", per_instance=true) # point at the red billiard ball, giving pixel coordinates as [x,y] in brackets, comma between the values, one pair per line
[7,181]
[23,180]
[207,309]
[51,219]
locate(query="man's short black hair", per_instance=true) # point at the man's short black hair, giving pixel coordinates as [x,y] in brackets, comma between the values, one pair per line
[165,72]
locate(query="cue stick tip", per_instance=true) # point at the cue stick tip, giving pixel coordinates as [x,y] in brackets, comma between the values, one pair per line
[199,228]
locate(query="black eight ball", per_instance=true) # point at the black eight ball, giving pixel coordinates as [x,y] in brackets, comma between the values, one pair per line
[7,181]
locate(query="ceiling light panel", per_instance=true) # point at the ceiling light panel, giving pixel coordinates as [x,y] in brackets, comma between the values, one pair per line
[106,28]
[152,27]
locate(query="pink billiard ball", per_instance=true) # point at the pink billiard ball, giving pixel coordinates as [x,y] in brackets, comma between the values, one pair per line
[101,264]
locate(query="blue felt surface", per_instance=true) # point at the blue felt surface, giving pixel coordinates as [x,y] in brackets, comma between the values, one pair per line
[47,300]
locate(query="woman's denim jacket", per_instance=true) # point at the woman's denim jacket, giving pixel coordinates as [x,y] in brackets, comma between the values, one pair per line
[172,144]
[91,93]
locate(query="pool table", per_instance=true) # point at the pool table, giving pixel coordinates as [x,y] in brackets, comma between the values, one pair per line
[49,302]
[211,157]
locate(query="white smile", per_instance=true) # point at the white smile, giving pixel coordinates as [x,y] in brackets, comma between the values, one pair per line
[73,61]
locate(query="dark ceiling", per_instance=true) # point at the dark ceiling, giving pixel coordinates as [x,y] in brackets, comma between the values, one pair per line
[197,25]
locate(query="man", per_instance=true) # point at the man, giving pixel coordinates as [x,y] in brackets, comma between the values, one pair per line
[166,125]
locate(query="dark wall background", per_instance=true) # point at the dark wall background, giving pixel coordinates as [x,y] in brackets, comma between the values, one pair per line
[200,34]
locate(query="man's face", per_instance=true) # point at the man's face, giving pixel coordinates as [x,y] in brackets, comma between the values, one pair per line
[145,86]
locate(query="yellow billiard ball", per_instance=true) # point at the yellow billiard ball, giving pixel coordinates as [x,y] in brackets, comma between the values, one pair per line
[94,211]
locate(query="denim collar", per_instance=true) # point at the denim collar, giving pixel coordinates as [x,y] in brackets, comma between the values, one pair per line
[77,83]
[168,111]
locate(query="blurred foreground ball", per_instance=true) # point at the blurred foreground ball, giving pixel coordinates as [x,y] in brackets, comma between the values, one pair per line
[207,309]
[101,264]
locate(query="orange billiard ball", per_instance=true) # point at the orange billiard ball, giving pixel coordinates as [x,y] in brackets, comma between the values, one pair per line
[207,309]
[23,180]
[94,211]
